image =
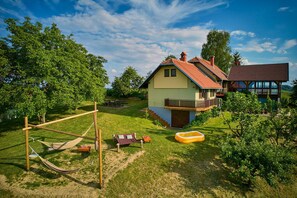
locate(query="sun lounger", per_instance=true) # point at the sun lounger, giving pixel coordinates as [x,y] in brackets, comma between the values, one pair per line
[126,139]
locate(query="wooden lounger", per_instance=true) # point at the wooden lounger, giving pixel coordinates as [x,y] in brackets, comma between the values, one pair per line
[126,139]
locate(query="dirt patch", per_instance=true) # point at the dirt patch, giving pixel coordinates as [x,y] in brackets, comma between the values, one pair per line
[41,182]
[118,162]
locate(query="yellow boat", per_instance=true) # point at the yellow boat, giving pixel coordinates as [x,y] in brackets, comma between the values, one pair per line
[189,137]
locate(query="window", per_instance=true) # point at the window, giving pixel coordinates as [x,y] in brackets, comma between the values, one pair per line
[200,93]
[241,85]
[166,72]
[258,84]
[173,72]
[212,93]
[273,85]
[265,84]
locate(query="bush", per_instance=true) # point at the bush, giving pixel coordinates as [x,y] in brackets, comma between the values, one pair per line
[200,119]
[251,157]
[157,122]
[259,148]
[215,112]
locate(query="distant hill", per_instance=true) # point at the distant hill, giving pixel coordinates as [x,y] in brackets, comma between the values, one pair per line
[287,88]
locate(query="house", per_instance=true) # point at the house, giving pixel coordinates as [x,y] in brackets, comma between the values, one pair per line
[178,89]
[264,80]
[213,71]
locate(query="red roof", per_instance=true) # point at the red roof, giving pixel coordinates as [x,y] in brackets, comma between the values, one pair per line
[214,69]
[264,72]
[189,70]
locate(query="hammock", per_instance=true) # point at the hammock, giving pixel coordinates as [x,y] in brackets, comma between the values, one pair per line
[52,166]
[65,145]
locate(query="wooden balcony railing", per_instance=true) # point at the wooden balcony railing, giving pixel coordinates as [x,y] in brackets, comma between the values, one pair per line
[192,103]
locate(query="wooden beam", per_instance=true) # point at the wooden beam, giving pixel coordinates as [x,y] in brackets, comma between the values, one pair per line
[100,158]
[27,144]
[62,132]
[67,118]
[95,125]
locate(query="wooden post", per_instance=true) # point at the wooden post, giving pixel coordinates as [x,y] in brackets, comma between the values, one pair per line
[27,144]
[95,125]
[100,157]
[141,143]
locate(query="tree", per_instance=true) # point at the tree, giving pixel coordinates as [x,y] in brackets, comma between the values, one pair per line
[218,45]
[169,57]
[254,148]
[244,109]
[46,70]
[294,93]
[237,60]
[127,84]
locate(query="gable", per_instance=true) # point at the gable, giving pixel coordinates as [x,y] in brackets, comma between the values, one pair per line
[177,81]
[190,71]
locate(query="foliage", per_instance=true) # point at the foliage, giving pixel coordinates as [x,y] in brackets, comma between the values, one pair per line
[248,149]
[169,57]
[287,88]
[244,109]
[157,122]
[283,128]
[127,84]
[194,169]
[218,45]
[294,93]
[251,156]
[43,69]
[215,112]
[201,118]
[237,60]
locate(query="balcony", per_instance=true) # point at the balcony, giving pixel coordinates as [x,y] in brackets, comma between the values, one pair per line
[192,105]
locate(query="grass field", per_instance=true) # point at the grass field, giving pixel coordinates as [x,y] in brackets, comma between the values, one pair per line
[164,168]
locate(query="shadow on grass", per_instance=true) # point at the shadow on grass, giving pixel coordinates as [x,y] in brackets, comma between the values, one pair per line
[203,170]
[53,175]
[132,109]
[20,166]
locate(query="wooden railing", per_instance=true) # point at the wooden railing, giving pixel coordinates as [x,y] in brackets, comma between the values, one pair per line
[192,103]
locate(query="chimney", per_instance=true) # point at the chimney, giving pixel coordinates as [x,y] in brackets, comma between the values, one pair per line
[183,56]
[212,59]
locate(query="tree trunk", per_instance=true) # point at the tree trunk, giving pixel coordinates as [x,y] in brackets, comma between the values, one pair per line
[43,117]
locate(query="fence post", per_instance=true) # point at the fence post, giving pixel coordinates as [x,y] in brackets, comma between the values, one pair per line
[27,144]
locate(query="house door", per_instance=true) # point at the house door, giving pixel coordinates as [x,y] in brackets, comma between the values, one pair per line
[179,118]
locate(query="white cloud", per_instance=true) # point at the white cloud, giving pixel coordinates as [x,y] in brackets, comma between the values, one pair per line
[283,9]
[141,36]
[114,71]
[292,71]
[17,9]
[287,45]
[240,34]
[256,46]
[246,61]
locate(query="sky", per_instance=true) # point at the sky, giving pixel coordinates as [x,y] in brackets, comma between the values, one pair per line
[141,33]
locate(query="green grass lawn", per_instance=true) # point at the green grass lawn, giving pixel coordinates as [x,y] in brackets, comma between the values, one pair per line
[165,169]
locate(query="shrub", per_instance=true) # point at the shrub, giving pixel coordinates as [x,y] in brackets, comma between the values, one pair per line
[215,112]
[157,122]
[259,149]
[200,119]
[251,157]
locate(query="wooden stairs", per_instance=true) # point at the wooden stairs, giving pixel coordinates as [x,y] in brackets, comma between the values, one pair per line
[157,117]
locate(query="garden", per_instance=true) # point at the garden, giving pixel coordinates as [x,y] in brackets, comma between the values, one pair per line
[163,168]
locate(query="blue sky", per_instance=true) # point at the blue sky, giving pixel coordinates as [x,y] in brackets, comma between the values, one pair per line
[142,33]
